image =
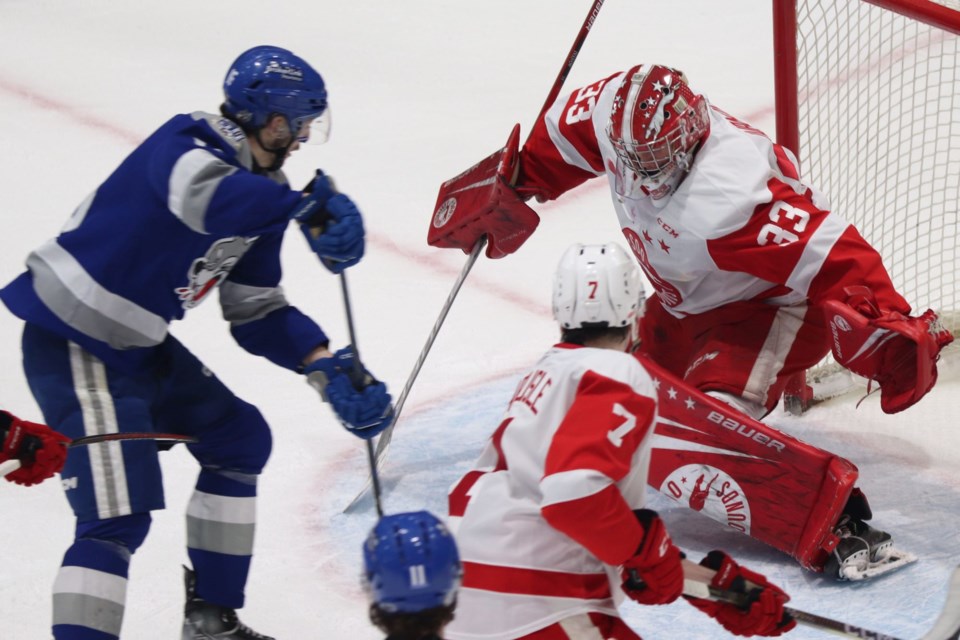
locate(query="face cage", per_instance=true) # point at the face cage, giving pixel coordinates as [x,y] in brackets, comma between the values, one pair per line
[654,163]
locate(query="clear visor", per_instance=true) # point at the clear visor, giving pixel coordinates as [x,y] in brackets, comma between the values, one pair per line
[315,130]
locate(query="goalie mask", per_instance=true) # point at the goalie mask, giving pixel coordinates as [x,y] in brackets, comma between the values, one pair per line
[596,285]
[656,123]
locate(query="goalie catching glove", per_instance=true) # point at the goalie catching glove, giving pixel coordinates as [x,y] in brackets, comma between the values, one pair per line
[763,614]
[480,202]
[40,450]
[899,352]
[654,574]
[360,401]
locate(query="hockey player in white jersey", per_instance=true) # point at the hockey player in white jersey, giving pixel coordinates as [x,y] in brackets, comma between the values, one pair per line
[411,573]
[201,204]
[550,521]
[755,277]
[40,450]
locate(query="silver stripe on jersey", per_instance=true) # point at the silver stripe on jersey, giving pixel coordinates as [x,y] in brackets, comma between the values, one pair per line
[221,524]
[107,470]
[78,300]
[194,179]
[79,214]
[89,598]
[243,303]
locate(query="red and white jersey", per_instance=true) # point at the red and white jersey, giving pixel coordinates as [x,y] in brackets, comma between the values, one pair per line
[545,516]
[742,225]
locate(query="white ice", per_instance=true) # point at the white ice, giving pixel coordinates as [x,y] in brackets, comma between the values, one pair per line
[420,90]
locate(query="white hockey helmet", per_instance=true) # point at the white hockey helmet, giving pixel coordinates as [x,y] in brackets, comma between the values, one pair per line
[596,284]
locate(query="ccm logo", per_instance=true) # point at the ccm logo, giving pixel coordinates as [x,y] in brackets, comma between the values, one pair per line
[744,430]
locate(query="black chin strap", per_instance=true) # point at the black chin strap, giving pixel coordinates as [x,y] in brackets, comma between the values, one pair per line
[279,155]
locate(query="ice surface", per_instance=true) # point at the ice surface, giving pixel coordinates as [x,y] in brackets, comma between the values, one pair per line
[420,90]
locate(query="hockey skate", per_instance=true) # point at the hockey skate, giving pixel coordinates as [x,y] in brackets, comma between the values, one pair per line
[863,552]
[203,620]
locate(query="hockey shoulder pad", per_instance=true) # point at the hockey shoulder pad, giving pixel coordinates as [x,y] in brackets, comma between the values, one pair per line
[899,352]
[480,202]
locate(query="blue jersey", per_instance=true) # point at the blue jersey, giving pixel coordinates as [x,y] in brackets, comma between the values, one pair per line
[182,215]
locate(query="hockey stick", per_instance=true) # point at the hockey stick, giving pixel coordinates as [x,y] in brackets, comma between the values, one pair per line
[358,372]
[110,437]
[9,466]
[696,584]
[384,441]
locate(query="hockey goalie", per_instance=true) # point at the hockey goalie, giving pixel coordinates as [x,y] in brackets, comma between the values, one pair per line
[755,279]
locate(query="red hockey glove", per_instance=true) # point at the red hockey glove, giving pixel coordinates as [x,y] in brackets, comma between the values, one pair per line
[39,448]
[765,615]
[654,575]
[899,352]
[480,202]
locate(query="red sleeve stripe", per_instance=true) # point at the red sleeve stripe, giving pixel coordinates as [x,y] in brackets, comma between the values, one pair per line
[535,582]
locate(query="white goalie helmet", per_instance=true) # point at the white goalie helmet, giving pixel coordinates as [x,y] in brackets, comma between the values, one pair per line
[594,284]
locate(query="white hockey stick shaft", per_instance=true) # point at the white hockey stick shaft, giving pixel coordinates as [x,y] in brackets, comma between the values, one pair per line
[398,407]
[384,440]
[9,466]
[696,584]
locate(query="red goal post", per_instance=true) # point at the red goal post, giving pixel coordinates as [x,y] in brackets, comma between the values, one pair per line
[868,97]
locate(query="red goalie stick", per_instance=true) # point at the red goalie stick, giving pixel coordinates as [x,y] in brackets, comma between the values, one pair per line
[384,440]
[947,626]
[10,466]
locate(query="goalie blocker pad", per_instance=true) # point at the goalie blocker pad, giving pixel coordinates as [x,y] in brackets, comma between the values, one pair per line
[745,474]
[480,202]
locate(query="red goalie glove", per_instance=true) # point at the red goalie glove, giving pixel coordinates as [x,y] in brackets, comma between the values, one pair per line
[480,202]
[764,614]
[899,352]
[37,446]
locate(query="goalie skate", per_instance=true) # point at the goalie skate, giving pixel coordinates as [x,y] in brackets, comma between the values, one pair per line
[863,552]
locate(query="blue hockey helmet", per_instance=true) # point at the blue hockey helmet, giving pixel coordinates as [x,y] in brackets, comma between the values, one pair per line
[411,563]
[264,81]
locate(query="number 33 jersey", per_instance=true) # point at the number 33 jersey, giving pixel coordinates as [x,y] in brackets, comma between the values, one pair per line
[545,516]
[741,225]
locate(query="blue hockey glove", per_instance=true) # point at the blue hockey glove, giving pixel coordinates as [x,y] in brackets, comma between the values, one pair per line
[331,223]
[360,401]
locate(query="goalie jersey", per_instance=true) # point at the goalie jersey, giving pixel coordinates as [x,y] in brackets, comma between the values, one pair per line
[545,516]
[182,215]
[742,225]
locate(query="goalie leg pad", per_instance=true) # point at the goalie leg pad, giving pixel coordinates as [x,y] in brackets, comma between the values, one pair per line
[745,474]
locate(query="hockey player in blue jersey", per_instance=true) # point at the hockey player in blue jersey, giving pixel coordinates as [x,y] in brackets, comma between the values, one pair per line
[200,204]
[411,573]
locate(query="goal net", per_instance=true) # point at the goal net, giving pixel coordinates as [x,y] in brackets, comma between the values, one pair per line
[868,97]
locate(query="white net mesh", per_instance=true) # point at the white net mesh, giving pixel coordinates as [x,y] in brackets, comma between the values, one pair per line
[879,123]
